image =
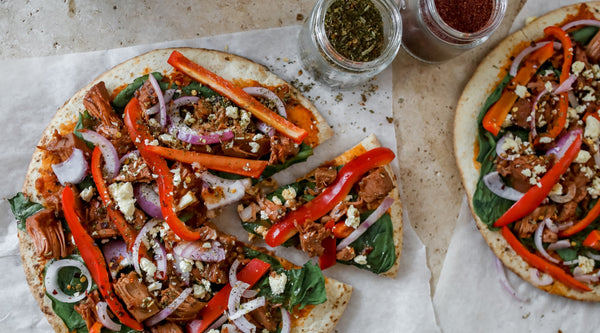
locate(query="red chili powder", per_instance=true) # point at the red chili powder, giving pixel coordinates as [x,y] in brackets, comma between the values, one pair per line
[465,15]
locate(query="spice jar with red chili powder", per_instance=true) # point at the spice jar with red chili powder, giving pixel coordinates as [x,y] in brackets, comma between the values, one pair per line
[438,30]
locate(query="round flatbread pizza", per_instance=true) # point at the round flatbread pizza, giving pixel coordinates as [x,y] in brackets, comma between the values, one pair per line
[126,170]
[526,143]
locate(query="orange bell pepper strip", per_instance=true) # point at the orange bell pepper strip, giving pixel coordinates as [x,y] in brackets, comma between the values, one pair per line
[341,230]
[536,194]
[593,240]
[94,259]
[237,95]
[96,328]
[235,165]
[556,272]
[584,222]
[350,173]
[140,134]
[217,305]
[558,125]
[493,119]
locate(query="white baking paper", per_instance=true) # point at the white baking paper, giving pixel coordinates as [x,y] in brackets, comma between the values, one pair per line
[32,89]
[469,297]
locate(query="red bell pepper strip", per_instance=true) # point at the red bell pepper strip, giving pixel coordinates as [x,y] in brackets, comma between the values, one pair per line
[328,259]
[584,222]
[558,125]
[250,274]
[556,272]
[236,165]
[593,240]
[237,95]
[536,194]
[94,259]
[326,200]
[140,134]
[493,119]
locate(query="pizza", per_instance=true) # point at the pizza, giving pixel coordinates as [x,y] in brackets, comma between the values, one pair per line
[348,210]
[115,214]
[527,146]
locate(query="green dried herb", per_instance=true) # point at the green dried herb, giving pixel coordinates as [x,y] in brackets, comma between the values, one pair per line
[355,29]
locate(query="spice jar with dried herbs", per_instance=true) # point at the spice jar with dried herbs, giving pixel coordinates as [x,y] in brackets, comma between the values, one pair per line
[346,42]
[438,30]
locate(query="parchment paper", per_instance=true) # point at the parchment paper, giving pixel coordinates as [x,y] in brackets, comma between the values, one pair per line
[32,89]
[469,297]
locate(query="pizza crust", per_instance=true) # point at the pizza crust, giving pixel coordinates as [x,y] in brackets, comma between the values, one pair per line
[322,317]
[491,70]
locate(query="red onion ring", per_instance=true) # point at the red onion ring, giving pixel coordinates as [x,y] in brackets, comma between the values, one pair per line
[551,225]
[188,135]
[561,244]
[268,94]
[148,200]
[504,280]
[51,280]
[160,256]
[537,239]
[263,127]
[156,107]
[570,25]
[494,183]
[135,250]
[111,158]
[534,275]
[104,317]
[286,321]
[515,64]
[233,190]
[162,116]
[567,85]
[185,100]
[164,313]
[563,143]
[233,273]
[115,251]
[532,114]
[73,170]
[374,217]
[234,303]
[247,307]
[134,154]
[196,251]
[571,191]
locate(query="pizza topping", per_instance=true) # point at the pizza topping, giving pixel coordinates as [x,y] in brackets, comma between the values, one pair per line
[136,297]
[112,163]
[47,234]
[104,317]
[53,286]
[87,308]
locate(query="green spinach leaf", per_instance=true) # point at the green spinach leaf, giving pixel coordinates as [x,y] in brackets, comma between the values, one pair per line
[84,122]
[202,90]
[22,208]
[303,154]
[125,95]
[584,35]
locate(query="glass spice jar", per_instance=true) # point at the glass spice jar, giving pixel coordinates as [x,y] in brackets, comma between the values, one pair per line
[321,59]
[429,38]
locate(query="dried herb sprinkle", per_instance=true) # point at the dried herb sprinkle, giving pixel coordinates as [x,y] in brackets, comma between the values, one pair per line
[355,29]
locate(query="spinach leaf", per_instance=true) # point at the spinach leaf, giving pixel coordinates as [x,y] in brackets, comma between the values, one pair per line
[125,95]
[304,286]
[303,154]
[380,239]
[567,254]
[22,208]
[84,122]
[584,35]
[202,90]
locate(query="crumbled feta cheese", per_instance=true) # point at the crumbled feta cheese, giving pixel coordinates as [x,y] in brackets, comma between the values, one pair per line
[148,266]
[244,118]
[276,200]
[151,143]
[167,138]
[556,189]
[592,128]
[277,283]
[213,331]
[262,230]
[352,217]
[590,96]
[88,193]
[582,157]
[264,215]
[548,86]
[254,147]
[588,74]
[596,71]
[538,169]
[189,119]
[507,121]
[186,265]
[232,112]
[154,286]
[577,67]
[521,91]
[186,200]
[526,172]
[587,171]
[594,190]
[122,193]
[361,259]
[257,137]
[176,176]
[289,193]
[199,291]
[586,264]
[545,139]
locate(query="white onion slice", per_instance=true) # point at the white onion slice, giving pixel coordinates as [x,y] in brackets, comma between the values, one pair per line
[561,244]
[263,127]
[112,163]
[135,250]
[162,115]
[504,280]
[494,183]
[104,317]
[570,25]
[195,250]
[286,321]
[51,280]
[538,280]
[374,217]
[164,313]
[245,308]
[515,64]
[268,94]
[148,200]
[73,170]
[232,190]
[593,256]
[565,226]
[571,191]
[572,262]
[537,238]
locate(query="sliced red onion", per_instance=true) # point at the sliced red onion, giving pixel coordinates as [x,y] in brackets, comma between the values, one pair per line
[504,280]
[593,256]
[534,108]
[500,150]
[233,273]
[515,64]
[111,158]
[286,321]
[134,155]
[571,191]
[551,225]
[567,85]
[250,293]
[244,325]
[196,251]
[565,226]
[135,250]
[245,308]
[234,303]
[563,143]
[268,94]
[164,313]
[104,317]
[185,100]
[160,256]
[596,152]
[374,217]
[263,127]
[537,239]
[73,170]
[246,214]
[218,323]
[115,251]
[573,100]
[162,116]
[536,279]
[494,183]
[148,200]
[188,135]
[154,109]
[51,280]
[579,276]
[570,25]
[233,190]
[561,244]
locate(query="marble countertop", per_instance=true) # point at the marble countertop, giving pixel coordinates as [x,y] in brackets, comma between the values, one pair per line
[425,95]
